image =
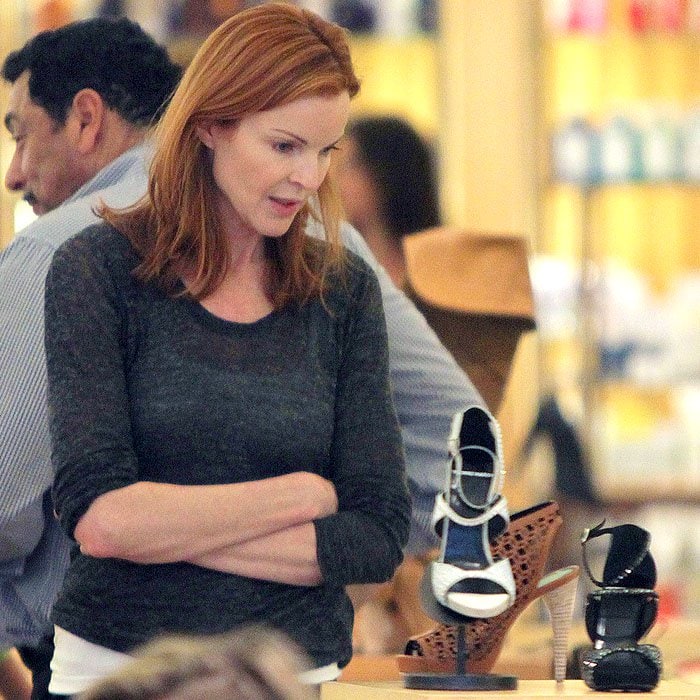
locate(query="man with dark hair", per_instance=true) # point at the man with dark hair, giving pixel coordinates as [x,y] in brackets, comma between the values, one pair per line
[82,100]
[81,95]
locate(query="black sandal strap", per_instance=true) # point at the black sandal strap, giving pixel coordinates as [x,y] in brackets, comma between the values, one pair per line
[628,562]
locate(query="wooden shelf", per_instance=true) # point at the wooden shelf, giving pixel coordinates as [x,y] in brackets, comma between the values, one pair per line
[527,690]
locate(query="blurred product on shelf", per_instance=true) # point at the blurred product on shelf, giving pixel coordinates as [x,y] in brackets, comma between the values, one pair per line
[573,479]
[638,16]
[576,15]
[667,16]
[641,334]
[357,16]
[575,152]
[646,370]
[656,143]
[662,152]
[691,146]
[620,153]
[388,18]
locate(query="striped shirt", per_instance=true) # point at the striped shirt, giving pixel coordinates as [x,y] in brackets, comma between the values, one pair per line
[33,549]
[428,388]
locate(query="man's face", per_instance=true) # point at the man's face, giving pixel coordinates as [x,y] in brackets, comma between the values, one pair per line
[46,163]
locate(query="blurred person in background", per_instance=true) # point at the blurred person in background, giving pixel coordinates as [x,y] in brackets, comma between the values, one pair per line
[473,287]
[388,186]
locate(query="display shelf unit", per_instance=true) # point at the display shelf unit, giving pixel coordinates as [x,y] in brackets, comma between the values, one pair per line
[638,402]
[640,397]
[640,406]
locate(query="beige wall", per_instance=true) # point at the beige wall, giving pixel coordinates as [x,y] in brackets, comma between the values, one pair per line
[488,132]
[487,76]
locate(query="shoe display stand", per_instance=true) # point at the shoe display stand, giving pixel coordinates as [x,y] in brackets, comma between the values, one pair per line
[394,690]
[460,679]
[468,515]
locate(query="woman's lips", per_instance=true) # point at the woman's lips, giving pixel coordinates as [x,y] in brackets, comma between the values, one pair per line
[286,207]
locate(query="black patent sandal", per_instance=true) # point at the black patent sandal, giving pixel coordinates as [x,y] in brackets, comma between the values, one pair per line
[621,612]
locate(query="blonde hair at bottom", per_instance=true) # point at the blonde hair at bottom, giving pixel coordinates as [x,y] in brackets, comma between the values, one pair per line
[250,663]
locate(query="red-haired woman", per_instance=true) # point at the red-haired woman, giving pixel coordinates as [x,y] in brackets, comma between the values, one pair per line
[224,439]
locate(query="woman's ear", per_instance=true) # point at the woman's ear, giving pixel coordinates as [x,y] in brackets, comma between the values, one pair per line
[204,133]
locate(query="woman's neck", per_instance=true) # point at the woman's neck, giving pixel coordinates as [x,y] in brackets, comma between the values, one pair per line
[242,294]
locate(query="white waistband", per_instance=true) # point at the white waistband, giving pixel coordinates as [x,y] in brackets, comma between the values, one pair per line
[320,675]
[77,663]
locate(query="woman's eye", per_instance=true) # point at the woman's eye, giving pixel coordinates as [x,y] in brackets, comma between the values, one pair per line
[284,146]
[327,151]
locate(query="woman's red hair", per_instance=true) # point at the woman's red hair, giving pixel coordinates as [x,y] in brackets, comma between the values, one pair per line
[260,58]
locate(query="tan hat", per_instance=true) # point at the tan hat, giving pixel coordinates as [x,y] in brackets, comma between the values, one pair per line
[474,290]
[471,272]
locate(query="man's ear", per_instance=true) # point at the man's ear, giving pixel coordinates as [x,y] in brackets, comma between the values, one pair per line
[86,118]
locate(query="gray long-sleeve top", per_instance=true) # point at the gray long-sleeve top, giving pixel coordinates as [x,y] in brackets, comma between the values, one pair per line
[428,388]
[144,387]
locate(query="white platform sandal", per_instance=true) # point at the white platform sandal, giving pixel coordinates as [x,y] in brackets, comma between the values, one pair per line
[468,515]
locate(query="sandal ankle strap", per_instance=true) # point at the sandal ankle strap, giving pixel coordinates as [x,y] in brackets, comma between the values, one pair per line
[497,476]
[623,560]
[442,510]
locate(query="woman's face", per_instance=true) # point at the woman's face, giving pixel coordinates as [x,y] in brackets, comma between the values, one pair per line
[269,163]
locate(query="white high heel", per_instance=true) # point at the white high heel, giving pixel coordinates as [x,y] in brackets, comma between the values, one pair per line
[468,515]
[560,602]
[527,544]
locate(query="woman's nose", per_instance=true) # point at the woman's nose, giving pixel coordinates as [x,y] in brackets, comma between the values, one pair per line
[309,173]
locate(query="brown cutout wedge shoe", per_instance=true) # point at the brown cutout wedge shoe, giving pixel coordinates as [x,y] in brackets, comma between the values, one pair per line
[526,543]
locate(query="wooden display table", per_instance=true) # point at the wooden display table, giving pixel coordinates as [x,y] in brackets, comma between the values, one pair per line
[527,654]
[394,690]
